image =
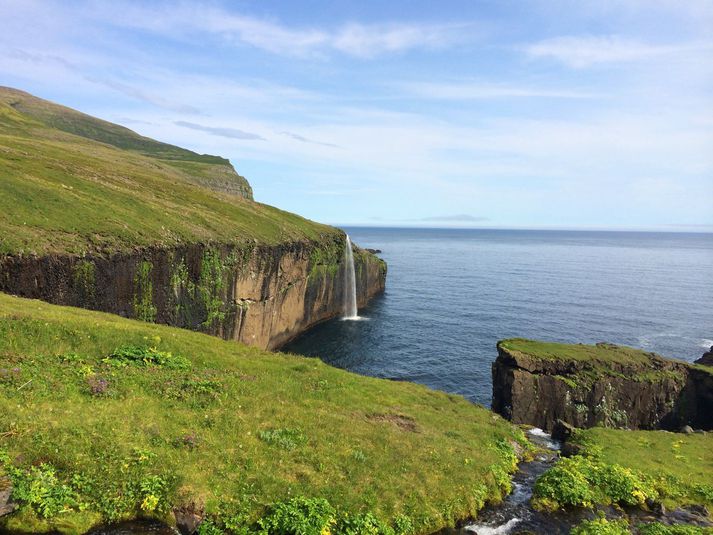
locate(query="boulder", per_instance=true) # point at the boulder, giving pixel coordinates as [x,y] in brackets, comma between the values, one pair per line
[707,358]
[188,518]
[562,431]
[7,506]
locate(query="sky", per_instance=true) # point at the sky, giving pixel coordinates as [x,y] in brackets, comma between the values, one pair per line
[483,113]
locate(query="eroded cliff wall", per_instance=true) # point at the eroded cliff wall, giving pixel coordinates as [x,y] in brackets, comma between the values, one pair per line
[646,393]
[258,294]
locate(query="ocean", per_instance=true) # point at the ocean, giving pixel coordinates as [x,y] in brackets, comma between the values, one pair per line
[451,294]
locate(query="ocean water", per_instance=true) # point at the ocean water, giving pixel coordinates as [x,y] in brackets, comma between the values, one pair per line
[452,294]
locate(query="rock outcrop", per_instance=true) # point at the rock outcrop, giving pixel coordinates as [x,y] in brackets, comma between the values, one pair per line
[7,506]
[599,385]
[263,295]
[707,358]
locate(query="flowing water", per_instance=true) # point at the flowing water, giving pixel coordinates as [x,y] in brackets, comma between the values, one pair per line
[350,301]
[514,514]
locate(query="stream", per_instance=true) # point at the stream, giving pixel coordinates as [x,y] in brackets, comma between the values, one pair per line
[514,515]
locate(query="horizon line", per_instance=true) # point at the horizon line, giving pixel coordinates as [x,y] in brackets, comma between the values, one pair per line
[678,229]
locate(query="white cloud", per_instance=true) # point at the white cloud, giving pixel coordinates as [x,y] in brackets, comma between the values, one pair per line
[586,51]
[372,40]
[221,131]
[478,91]
[357,40]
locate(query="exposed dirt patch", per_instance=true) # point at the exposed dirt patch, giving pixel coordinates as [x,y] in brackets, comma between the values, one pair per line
[405,423]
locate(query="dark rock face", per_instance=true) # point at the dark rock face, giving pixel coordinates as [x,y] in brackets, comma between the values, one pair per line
[6,504]
[658,394]
[188,518]
[258,294]
[707,358]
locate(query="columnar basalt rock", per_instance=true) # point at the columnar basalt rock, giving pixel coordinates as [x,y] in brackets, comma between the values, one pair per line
[263,295]
[624,388]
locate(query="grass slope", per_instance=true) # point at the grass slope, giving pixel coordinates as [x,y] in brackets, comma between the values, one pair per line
[226,426]
[600,353]
[72,183]
[630,467]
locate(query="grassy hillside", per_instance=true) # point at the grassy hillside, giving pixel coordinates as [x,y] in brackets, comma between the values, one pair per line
[74,183]
[91,434]
[630,468]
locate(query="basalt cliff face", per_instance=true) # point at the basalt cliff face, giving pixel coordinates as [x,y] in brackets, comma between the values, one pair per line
[95,215]
[262,295]
[607,385]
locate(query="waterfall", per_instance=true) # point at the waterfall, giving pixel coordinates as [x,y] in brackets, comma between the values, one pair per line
[350,301]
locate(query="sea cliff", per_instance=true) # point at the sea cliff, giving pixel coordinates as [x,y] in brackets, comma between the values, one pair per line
[262,295]
[538,383]
[94,215]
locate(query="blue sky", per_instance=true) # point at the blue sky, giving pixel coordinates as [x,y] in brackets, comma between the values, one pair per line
[457,113]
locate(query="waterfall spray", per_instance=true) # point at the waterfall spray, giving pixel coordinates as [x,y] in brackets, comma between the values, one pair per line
[350,301]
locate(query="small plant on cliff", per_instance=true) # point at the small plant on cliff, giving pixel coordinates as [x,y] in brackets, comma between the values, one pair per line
[84,279]
[299,516]
[146,356]
[656,528]
[210,287]
[287,439]
[602,526]
[583,481]
[98,386]
[40,488]
[144,308]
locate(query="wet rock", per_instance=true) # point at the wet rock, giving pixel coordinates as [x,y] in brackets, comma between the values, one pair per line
[6,504]
[188,518]
[569,449]
[656,507]
[700,510]
[687,429]
[562,431]
[707,358]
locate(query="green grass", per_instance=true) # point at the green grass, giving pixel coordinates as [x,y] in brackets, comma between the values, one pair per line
[596,361]
[108,418]
[64,192]
[629,468]
[600,353]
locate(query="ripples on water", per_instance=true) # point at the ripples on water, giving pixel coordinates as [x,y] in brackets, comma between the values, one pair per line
[452,294]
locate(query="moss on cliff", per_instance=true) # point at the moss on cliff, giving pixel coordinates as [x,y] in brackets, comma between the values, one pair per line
[553,351]
[107,434]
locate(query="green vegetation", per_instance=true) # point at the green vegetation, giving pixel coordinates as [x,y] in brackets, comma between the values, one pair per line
[75,184]
[657,528]
[210,287]
[594,362]
[84,279]
[144,308]
[600,353]
[107,418]
[630,468]
[602,526]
